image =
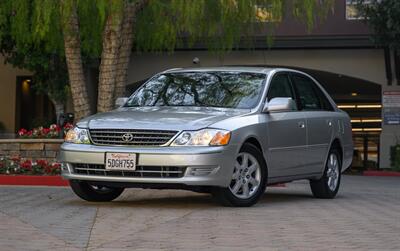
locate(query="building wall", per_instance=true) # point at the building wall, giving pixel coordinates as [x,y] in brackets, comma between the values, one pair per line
[8,79]
[365,64]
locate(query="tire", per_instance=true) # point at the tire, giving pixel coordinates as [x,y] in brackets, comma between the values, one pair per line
[253,175]
[94,193]
[328,185]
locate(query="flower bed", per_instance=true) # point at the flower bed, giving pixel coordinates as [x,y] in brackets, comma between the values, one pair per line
[52,132]
[17,165]
[19,171]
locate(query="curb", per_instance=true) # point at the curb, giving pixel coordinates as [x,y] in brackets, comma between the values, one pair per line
[381,173]
[31,180]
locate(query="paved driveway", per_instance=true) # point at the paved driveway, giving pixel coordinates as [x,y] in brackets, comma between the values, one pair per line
[365,215]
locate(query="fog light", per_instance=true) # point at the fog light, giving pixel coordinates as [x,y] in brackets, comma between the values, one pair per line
[202,171]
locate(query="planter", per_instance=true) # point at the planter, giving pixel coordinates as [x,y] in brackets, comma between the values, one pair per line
[30,148]
[31,180]
[382,173]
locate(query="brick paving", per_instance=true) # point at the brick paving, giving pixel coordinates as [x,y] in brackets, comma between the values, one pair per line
[364,216]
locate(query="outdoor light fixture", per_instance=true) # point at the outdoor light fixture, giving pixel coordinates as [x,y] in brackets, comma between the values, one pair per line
[366,129]
[366,120]
[346,106]
[369,106]
[365,106]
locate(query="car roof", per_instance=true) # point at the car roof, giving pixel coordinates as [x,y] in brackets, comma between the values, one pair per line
[264,70]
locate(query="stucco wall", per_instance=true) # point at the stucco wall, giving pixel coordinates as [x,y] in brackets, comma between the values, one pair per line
[8,78]
[365,64]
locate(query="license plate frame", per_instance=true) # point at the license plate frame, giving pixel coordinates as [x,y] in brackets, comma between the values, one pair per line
[117,161]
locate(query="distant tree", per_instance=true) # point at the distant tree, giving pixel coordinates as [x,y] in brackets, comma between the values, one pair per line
[83,30]
[49,69]
[383,16]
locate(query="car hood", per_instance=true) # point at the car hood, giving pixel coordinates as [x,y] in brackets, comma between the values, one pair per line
[160,118]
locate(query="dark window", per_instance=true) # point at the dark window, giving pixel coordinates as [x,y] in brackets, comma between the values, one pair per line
[306,91]
[326,105]
[280,87]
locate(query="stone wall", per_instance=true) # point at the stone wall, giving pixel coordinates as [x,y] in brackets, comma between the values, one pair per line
[30,148]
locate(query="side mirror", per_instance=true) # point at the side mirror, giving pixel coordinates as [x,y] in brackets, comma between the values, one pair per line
[120,102]
[280,105]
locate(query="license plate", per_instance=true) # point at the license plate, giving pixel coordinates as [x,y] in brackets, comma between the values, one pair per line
[121,161]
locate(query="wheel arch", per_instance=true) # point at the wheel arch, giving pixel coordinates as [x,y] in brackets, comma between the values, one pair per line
[336,144]
[255,142]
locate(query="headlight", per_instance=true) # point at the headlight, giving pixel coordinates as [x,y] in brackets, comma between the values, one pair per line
[78,136]
[205,137]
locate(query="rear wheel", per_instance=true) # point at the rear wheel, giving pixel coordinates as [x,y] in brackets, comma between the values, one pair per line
[248,179]
[94,193]
[328,186]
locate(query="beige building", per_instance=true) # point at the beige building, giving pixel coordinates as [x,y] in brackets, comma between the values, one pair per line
[8,82]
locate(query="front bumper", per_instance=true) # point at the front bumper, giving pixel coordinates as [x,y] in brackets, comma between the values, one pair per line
[204,166]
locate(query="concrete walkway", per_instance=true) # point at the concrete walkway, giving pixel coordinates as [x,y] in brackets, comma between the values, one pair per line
[364,216]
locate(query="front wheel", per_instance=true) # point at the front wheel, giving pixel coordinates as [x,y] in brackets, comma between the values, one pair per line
[328,186]
[94,193]
[248,179]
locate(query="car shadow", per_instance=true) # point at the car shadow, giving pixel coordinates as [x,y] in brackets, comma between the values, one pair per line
[284,197]
[192,200]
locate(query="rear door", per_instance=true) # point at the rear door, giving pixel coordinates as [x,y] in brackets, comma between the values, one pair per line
[287,142]
[319,120]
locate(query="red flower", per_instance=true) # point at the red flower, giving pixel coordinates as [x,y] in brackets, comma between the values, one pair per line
[56,165]
[68,126]
[29,133]
[45,131]
[27,165]
[55,127]
[22,132]
[42,163]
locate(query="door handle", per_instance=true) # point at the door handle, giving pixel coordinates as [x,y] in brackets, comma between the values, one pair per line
[302,124]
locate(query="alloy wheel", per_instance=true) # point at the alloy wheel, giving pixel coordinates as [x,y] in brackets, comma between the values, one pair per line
[332,172]
[246,176]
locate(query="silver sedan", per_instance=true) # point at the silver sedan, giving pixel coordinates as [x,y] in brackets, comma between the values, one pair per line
[230,131]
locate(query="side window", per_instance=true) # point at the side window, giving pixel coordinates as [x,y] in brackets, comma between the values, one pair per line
[326,105]
[280,87]
[309,100]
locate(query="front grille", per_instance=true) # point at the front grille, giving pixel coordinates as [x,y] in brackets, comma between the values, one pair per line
[131,137]
[141,171]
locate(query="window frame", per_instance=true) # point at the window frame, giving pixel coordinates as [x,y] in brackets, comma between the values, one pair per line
[319,94]
[351,4]
[292,89]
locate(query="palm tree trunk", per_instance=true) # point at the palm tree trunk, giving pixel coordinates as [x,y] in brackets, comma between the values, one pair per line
[76,76]
[109,61]
[58,107]
[125,51]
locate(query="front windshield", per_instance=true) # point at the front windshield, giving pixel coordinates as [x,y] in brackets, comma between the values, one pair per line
[210,89]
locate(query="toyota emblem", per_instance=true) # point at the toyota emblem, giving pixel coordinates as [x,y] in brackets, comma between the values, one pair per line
[127,137]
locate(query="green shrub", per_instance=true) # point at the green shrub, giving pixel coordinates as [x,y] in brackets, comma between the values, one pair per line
[395,157]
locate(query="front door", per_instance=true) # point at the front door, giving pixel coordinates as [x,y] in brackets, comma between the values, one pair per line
[287,138]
